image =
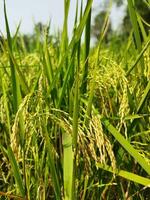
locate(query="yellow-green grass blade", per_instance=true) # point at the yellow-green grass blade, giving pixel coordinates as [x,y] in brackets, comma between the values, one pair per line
[7,28]
[138,57]
[76,15]
[76,37]
[14,78]
[144,97]
[140,134]
[75,127]
[126,145]
[47,62]
[85,187]
[19,74]
[104,29]
[131,117]
[76,109]
[16,171]
[127,175]
[133,17]
[141,103]
[70,141]
[35,83]
[48,68]
[17,98]
[51,163]
[75,63]
[144,34]
[64,39]
[86,53]
[79,43]
[67,165]
[16,36]
[66,79]
[72,45]
[79,30]
[92,88]
[23,46]
[89,104]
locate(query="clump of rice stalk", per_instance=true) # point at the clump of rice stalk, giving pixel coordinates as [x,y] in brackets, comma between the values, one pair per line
[14,139]
[110,87]
[31,59]
[94,144]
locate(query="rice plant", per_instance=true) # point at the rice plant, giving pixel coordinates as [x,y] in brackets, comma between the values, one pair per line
[75,120]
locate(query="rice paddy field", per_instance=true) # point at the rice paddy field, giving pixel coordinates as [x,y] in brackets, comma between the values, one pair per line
[75,120]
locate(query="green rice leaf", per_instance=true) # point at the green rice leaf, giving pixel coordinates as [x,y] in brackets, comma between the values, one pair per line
[16,171]
[127,175]
[126,145]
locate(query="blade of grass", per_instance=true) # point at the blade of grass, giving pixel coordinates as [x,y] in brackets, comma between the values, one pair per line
[76,37]
[86,53]
[21,77]
[16,172]
[105,27]
[138,58]
[75,128]
[143,133]
[67,165]
[126,145]
[16,36]
[144,35]
[144,97]
[92,89]
[76,111]
[51,163]
[64,38]
[141,104]
[15,82]
[127,175]
[17,98]
[134,21]
[66,78]
[47,64]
